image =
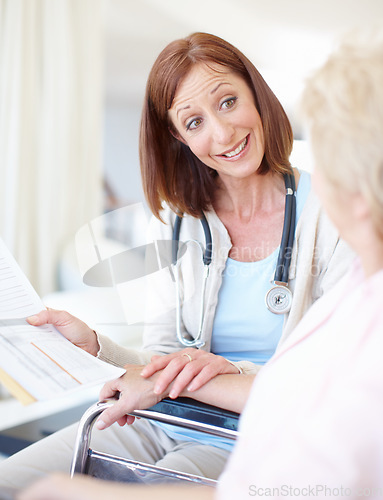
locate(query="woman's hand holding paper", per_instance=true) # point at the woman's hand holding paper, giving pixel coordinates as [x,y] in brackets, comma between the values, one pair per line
[75,330]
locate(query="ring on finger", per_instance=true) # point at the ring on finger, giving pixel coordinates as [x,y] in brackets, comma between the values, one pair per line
[188,356]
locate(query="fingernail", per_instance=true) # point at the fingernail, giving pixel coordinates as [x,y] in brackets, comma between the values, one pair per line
[191,387]
[100,424]
[32,319]
[172,394]
[157,390]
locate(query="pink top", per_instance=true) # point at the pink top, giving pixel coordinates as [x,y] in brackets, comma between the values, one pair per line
[313,425]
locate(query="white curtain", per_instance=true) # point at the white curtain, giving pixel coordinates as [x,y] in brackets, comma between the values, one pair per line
[51,54]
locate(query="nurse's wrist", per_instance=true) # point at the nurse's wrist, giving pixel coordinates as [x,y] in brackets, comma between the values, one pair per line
[240,371]
[95,347]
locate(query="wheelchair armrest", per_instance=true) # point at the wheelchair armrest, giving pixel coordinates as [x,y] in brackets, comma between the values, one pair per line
[191,414]
[190,409]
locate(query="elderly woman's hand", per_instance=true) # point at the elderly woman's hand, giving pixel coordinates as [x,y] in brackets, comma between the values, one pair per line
[188,369]
[134,393]
[60,486]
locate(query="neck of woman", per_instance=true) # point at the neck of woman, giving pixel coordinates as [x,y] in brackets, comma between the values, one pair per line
[247,198]
[372,259]
[368,244]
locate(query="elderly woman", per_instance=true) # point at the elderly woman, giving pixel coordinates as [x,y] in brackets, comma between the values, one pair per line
[215,145]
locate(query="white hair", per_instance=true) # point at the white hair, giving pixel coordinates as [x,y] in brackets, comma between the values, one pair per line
[343,107]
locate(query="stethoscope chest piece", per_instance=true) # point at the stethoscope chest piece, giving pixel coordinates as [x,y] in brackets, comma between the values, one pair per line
[279,299]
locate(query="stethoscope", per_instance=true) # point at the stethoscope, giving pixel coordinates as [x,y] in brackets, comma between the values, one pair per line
[278,298]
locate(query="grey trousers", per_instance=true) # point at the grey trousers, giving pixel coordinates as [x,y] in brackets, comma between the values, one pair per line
[142,441]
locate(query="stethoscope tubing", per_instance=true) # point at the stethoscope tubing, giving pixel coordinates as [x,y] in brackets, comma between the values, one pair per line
[289,249]
[287,241]
[208,252]
[282,267]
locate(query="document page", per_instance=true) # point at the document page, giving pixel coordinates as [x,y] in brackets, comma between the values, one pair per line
[39,362]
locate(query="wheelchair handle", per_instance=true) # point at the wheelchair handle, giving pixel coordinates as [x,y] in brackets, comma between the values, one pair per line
[85,426]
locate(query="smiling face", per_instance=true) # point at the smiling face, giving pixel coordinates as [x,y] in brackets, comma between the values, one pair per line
[214,114]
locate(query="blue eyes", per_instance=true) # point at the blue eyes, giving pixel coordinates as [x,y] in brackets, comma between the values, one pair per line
[196,122]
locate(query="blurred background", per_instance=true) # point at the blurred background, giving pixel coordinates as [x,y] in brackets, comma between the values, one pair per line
[72,80]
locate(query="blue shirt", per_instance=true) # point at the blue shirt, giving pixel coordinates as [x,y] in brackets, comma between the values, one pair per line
[244,328]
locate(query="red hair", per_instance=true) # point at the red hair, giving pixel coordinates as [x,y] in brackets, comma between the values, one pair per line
[171,173]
